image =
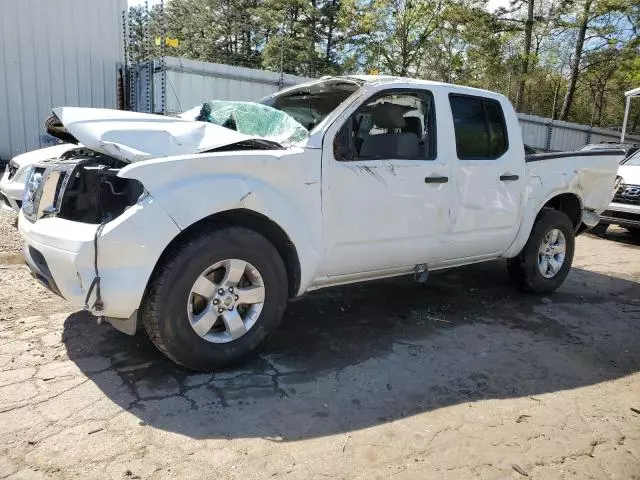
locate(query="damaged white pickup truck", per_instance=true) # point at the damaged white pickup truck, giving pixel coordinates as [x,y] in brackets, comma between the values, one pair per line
[200,232]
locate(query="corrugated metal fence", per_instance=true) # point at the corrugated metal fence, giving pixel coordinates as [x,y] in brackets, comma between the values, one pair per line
[190,82]
[52,54]
[557,135]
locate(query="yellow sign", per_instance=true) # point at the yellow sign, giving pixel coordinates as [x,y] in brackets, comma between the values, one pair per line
[170,42]
[374,72]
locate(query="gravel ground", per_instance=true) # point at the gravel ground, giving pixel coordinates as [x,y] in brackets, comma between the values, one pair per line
[9,239]
[460,378]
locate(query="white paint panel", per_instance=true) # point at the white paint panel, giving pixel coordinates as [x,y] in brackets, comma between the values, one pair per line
[52,54]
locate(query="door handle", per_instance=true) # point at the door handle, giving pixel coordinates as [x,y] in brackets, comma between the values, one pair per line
[436,179]
[509,178]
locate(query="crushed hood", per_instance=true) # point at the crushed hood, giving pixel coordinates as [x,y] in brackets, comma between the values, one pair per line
[132,136]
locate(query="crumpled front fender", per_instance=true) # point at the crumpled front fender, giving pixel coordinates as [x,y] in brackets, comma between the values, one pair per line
[190,190]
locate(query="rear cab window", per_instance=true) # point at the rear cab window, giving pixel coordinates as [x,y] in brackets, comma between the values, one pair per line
[480,129]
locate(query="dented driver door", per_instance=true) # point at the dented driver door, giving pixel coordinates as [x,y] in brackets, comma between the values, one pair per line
[385,189]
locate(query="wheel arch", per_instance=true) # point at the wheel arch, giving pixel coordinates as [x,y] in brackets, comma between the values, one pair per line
[565,201]
[568,203]
[251,220]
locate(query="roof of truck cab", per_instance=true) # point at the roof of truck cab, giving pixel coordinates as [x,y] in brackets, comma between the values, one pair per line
[391,79]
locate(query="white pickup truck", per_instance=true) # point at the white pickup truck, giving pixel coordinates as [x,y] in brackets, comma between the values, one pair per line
[201,233]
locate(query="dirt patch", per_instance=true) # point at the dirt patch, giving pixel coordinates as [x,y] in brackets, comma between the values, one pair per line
[10,242]
[463,377]
[11,258]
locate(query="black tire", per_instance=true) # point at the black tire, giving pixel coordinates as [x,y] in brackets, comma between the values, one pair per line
[524,270]
[164,309]
[634,232]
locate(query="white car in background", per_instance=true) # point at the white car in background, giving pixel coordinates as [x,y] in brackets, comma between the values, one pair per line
[624,210]
[17,171]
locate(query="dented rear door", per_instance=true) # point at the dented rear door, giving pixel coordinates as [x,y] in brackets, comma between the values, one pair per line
[487,159]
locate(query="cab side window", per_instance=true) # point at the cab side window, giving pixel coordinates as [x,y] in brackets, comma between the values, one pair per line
[397,124]
[480,129]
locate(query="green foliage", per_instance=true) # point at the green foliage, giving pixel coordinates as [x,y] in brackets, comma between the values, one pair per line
[530,51]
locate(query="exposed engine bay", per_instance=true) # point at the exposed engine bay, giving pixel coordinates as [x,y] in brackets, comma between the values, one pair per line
[82,185]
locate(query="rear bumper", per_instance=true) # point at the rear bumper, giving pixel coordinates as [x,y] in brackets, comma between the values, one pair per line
[60,254]
[622,214]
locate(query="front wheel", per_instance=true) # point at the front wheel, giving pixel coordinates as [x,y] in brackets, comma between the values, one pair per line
[216,298]
[545,261]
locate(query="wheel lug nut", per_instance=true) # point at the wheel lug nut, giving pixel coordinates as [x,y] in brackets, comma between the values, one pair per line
[221,291]
[215,301]
[220,310]
[236,297]
[231,289]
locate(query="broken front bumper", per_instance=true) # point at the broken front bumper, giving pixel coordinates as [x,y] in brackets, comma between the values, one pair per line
[61,254]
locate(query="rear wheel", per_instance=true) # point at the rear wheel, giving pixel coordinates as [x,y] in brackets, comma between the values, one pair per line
[216,299]
[545,261]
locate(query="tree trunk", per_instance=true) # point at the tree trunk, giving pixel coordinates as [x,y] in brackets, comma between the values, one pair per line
[332,17]
[524,67]
[575,64]
[600,109]
[602,101]
[555,101]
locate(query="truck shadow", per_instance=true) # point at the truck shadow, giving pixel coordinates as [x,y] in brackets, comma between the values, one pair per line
[618,235]
[357,356]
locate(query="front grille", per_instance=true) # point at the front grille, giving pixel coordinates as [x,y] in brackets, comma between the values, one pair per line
[629,194]
[12,167]
[43,190]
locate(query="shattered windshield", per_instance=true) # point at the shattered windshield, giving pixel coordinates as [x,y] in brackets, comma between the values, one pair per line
[285,117]
[311,103]
[251,119]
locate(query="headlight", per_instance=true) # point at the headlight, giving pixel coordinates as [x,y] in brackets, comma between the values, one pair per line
[31,191]
[22,173]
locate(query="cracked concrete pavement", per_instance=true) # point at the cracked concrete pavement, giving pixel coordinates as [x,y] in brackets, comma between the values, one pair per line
[461,378]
